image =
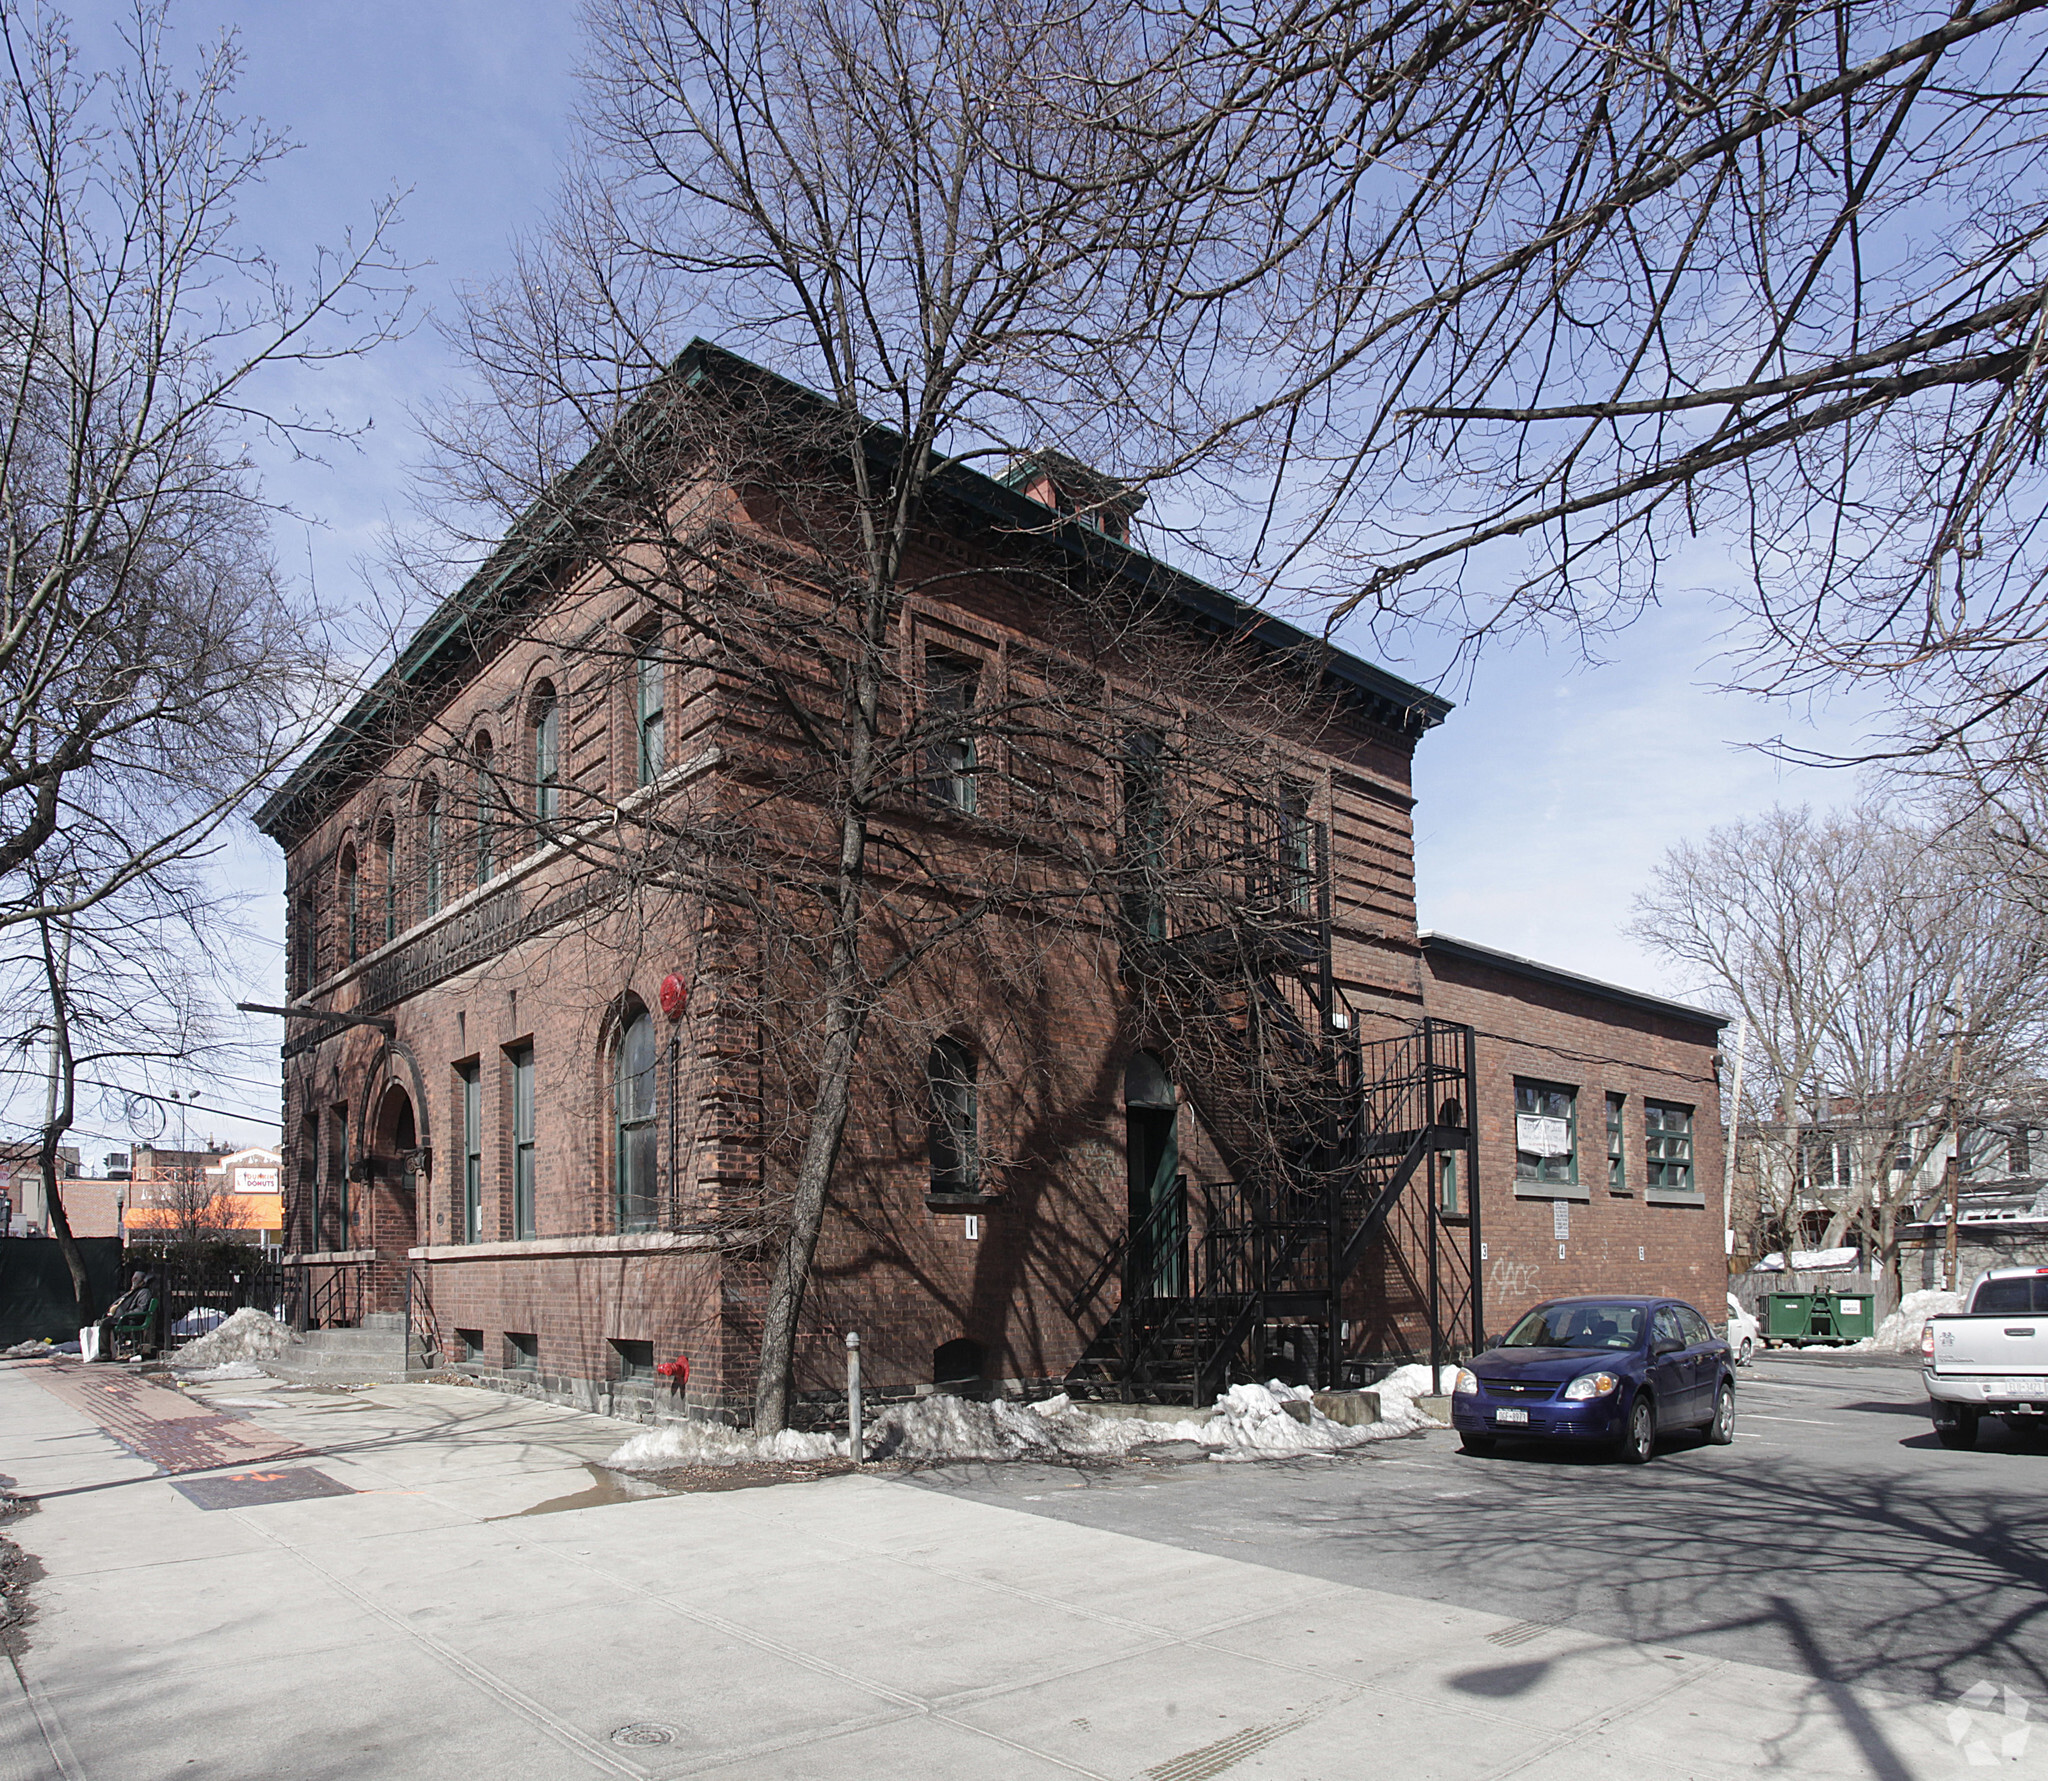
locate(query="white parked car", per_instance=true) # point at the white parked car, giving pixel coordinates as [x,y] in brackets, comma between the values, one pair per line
[1743,1332]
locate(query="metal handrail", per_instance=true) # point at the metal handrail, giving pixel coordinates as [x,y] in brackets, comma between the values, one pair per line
[1113,1259]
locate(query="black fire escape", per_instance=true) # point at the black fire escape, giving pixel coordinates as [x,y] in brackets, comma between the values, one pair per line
[1346,1234]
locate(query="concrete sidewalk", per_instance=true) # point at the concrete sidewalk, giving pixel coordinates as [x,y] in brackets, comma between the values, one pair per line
[431,1625]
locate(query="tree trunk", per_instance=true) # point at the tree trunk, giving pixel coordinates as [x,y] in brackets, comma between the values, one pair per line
[844,1021]
[846,1015]
[60,1228]
[60,1104]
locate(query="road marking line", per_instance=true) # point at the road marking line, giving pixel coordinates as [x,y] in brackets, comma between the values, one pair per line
[1808,1421]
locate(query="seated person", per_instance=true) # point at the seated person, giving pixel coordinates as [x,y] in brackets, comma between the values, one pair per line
[131,1306]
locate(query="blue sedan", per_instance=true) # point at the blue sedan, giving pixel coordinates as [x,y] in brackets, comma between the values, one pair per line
[1616,1372]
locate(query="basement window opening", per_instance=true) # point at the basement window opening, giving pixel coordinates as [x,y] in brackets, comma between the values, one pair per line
[635,1360]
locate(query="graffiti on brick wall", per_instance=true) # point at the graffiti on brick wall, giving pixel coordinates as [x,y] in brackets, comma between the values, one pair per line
[1510,1282]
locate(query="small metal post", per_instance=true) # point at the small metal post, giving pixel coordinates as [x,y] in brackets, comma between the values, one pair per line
[854,1448]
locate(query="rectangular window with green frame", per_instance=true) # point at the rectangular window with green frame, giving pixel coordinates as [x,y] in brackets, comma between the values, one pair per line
[1617,1151]
[1546,1133]
[524,1154]
[472,1211]
[338,1170]
[1448,1202]
[650,708]
[1667,1147]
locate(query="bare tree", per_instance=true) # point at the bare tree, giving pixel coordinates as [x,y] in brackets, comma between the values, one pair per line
[155,665]
[1554,291]
[1892,987]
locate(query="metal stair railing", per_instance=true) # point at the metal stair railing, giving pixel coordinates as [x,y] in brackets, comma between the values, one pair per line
[1165,1212]
[1323,1132]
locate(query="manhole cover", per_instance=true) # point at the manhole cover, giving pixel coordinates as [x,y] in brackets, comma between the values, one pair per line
[249,1490]
[644,1734]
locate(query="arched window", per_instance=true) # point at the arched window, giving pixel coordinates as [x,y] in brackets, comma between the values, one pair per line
[430,845]
[633,1146]
[387,876]
[547,756]
[951,1079]
[486,811]
[351,905]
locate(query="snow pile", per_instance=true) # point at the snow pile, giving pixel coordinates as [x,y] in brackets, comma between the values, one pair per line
[234,1369]
[940,1428]
[1399,1390]
[708,1444]
[1900,1332]
[249,1335]
[1246,1422]
[1809,1261]
[1252,1422]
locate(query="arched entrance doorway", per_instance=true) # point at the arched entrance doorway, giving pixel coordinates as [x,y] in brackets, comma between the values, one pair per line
[1157,1266]
[394,1181]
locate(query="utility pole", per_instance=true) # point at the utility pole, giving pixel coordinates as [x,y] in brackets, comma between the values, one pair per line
[1955,1155]
[1734,1133]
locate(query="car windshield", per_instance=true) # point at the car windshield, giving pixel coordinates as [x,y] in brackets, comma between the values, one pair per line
[1578,1326]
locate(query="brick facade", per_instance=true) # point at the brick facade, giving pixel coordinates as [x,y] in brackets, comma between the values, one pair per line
[1539,1025]
[460,949]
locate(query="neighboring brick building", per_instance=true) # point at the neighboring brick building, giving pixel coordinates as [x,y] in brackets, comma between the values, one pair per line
[546,1097]
[1599,1131]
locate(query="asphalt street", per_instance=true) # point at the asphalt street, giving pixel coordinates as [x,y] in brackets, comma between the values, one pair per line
[1836,1538]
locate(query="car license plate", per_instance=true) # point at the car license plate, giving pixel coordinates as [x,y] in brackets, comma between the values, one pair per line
[2031,1387]
[1511,1416]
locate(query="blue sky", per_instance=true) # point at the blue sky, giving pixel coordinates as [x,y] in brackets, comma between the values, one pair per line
[1546,797]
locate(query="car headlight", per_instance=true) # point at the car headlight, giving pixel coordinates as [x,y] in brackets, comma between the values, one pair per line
[1465,1384]
[1592,1385]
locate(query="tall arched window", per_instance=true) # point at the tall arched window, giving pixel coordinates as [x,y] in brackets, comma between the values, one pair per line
[486,811]
[633,1144]
[547,756]
[351,905]
[430,845]
[387,879]
[954,1135]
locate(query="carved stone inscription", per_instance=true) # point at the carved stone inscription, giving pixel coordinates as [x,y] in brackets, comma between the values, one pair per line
[477,934]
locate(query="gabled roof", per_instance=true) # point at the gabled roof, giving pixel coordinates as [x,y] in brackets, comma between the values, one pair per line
[460,629]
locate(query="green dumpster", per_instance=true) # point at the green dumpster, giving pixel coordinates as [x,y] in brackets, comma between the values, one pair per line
[1854,1315]
[1831,1318]
[1788,1317]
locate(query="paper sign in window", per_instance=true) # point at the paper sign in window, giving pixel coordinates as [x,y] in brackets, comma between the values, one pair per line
[1540,1135]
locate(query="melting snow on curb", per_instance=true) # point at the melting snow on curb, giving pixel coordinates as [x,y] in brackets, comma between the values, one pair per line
[1248,1422]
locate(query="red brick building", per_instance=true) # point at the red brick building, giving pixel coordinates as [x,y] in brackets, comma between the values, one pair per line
[543,1092]
[1599,1131]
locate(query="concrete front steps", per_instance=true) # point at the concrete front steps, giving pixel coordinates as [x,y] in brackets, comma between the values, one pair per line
[374,1354]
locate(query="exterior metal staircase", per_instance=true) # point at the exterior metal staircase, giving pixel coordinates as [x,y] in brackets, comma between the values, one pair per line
[1324,1135]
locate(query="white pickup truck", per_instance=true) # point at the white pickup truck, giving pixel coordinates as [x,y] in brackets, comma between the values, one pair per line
[1991,1359]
